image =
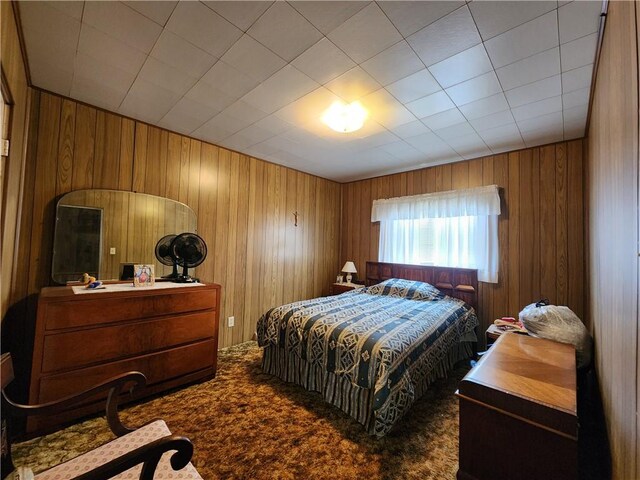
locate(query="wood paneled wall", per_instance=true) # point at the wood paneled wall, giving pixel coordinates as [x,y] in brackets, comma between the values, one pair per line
[14,72]
[244,206]
[613,263]
[540,228]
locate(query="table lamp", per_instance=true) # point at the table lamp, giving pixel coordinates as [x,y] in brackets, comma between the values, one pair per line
[349,268]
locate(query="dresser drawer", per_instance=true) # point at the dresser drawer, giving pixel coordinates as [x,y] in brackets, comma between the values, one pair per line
[101,308]
[157,367]
[80,348]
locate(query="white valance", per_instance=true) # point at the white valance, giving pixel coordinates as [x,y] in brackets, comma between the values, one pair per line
[469,202]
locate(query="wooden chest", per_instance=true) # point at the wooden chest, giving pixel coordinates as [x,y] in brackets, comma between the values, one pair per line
[168,334]
[518,412]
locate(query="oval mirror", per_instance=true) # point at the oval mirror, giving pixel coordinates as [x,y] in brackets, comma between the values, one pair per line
[101,232]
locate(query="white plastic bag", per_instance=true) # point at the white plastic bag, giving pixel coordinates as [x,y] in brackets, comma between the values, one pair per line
[560,324]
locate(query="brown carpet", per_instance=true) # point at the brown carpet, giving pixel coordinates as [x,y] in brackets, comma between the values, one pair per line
[245,424]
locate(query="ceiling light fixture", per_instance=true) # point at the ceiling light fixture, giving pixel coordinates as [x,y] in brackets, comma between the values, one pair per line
[345,118]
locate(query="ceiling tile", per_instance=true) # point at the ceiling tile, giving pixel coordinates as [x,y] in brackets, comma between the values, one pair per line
[223,123]
[383,138]
[47,74]
[403,151]
[253,59]
[366,34]
[326,16]
[241,14]
[533,37]
[100,84]
[386,110]
[229,80]
[49,32]
[485,106]
[308,110]
[430,105]
[158,11]
[414,86]
[284,87]
[209,96]
[444,119]
[244,111]
[579,52]
[578,112]
[108,49]
[323,61]
[446,37]
[203,27]
[93,92]
[462,66]
[410,129]
[177,52]
[549,87]
[469,146]
[551,122]
[503,138]
[492,121]
[123,23]
[578,19]
[576,98]
[496,17]
[352,85]
[148,101]
[238,142]
[273,124]
[165,76]
[474,89]
[189,114]
[542,137]
[283,30]
[71,9]
[394,63]
[215,130]
[536,67]
[576,79]
[411,16]
[536,109]
[452,131]
[430,144]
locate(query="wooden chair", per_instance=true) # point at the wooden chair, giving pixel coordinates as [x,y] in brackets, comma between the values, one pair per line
[136,453]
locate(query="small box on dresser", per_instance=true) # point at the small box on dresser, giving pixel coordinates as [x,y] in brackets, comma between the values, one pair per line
[168,334]
[518,412]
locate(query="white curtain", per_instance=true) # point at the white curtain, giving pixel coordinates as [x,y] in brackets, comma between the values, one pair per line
[455,229]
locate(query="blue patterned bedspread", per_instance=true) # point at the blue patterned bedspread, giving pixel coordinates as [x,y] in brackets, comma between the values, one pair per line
[387,337]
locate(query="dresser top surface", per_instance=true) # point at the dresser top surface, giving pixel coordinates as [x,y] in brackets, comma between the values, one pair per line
[536,370]
[67,291]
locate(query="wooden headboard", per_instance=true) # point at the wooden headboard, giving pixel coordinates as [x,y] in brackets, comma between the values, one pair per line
[460,283]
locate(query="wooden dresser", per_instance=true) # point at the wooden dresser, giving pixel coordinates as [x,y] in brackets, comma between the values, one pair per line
[168,334]
[518,412]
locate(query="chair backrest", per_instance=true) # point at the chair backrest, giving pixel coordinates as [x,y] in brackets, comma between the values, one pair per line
[6,376]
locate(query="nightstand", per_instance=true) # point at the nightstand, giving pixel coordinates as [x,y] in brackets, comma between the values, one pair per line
[338,288]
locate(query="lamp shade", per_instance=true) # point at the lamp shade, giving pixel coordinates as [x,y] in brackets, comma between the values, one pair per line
[349,267]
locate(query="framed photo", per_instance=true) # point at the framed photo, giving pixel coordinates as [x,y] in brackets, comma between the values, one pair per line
[143,276]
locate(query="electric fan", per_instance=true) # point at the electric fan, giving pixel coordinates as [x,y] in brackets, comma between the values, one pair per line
[189,250]
[165,256]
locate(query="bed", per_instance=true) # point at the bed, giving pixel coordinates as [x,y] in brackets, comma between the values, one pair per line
[373,351]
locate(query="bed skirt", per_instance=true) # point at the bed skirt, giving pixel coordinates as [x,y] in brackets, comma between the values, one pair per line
[352,399]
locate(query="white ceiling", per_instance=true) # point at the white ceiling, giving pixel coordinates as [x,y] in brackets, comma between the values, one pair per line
[443,81]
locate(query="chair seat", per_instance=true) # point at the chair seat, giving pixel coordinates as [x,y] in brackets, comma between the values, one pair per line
[117,448]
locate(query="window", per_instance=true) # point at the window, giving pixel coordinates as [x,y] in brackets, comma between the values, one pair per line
[452,229]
